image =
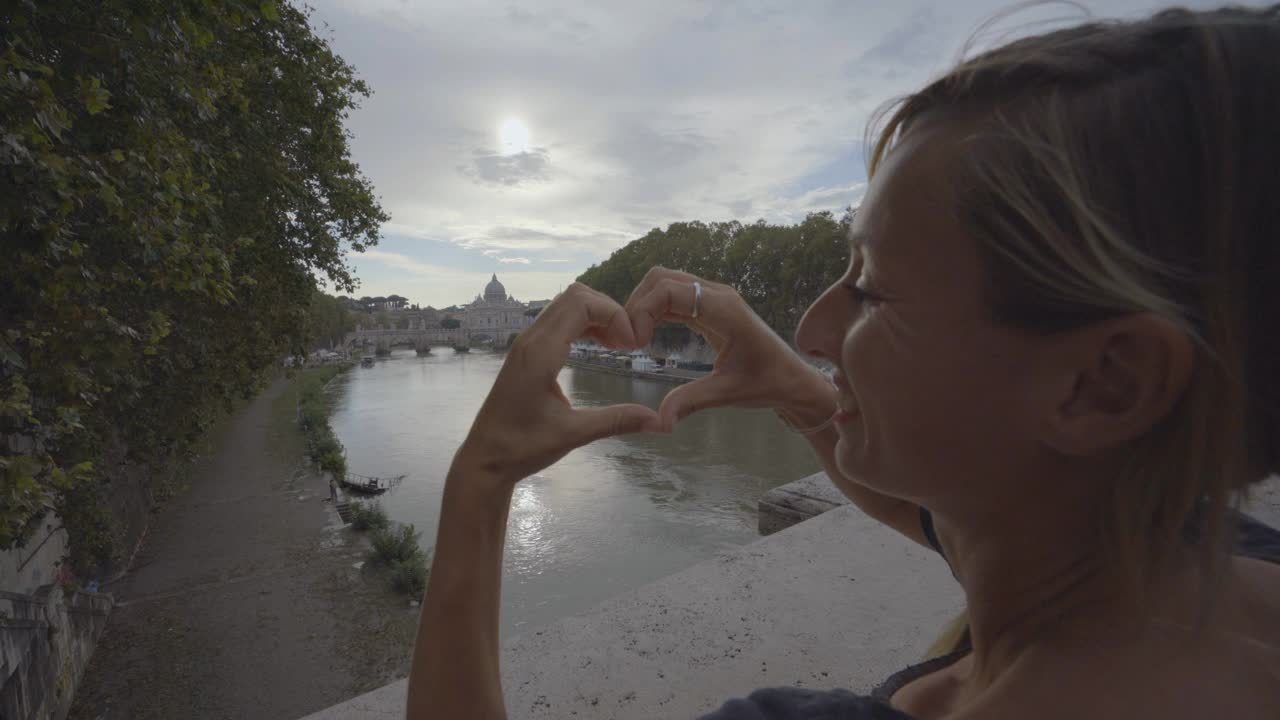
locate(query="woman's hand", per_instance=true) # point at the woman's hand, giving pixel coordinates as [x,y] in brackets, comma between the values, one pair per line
[526,423]
[754,367]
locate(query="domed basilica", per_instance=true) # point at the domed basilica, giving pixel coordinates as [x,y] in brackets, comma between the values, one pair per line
[495,312]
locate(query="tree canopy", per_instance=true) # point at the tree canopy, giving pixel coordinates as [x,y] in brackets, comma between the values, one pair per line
[176,177]
[328,321]
[778,269]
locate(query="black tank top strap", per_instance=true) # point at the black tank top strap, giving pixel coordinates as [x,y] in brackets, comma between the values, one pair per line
[930,534]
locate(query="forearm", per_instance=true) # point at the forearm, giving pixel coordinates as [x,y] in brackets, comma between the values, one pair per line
[455,670]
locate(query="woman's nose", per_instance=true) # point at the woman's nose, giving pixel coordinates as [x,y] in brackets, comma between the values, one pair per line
[822,327]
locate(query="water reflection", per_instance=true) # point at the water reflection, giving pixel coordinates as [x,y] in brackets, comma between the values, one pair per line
[606,518]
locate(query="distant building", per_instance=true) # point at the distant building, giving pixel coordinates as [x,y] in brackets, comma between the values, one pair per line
[495,313]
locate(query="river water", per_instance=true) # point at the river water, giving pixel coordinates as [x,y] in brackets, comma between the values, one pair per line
[607,518]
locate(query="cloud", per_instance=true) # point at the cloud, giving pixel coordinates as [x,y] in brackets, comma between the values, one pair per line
[520,260]
[426,283]
[495,168]
[554,22]
[639,114]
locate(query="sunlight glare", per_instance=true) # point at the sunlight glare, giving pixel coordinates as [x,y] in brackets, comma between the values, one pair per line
[514,136]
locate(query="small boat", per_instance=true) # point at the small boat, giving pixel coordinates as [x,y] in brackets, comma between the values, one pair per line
[367,485]
[366,361]
[461,349]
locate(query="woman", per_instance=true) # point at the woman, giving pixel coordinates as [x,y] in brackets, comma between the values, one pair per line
[1057,360]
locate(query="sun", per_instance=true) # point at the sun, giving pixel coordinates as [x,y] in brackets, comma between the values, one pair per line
[513,135]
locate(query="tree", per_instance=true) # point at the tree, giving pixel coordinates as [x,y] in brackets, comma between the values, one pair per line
[328,321]
[778,269]
[176,178]
[450,323]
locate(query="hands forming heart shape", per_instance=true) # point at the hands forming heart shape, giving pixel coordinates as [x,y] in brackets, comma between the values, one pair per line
[526,423]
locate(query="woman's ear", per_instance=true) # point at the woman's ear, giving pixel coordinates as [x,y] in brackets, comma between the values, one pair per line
[1120,378]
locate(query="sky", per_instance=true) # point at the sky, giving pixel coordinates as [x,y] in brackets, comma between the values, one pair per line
[532,140]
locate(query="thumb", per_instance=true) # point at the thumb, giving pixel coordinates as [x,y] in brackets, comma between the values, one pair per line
[705,392]
[590,424]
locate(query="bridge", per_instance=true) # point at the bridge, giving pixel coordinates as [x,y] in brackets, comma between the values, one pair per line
[416,337]
[480,322]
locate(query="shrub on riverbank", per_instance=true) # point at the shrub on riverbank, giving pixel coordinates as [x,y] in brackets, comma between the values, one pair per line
[410,576]
[366,516]
[313,417]
[394,544]
[397,549]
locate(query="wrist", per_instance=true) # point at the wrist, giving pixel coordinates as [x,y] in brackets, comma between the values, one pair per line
[478,477]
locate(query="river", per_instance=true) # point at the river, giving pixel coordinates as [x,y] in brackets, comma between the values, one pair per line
[607,518]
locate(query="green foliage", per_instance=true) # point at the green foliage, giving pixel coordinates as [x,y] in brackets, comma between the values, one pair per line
[328,321]
[313,417]
[174,178]
[410,576]
[778,269]
[367,516]
[394,544]
[450,323]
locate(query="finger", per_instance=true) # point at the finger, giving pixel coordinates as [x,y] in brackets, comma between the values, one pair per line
[578,312]
[589,424]
[672,299]
[705,392]
[656,274]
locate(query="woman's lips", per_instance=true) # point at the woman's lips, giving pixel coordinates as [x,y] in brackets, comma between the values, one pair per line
[843,415]
[845,404]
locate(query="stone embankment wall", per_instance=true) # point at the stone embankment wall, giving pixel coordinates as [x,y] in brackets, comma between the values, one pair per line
[667,377]
[47,631]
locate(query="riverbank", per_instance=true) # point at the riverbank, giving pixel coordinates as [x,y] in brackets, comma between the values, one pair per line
[247,600]
[673,376]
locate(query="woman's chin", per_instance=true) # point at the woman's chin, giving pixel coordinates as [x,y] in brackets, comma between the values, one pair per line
[845,463]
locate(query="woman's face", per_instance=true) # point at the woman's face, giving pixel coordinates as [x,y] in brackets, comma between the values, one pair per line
[933,394]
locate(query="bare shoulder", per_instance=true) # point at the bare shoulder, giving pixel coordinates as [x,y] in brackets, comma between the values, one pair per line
[1230,671]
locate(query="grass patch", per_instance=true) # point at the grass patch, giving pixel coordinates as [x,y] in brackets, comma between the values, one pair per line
[313,417]
[367,516]
[289,439]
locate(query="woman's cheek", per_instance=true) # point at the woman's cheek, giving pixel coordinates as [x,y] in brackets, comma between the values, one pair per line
[856,355]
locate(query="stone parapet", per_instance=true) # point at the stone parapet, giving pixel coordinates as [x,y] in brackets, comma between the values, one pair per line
[840,601]
[786,505]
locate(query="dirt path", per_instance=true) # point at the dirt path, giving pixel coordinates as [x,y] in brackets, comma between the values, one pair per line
[246,600]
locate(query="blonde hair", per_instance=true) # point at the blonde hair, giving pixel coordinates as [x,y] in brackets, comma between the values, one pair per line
[1129,167]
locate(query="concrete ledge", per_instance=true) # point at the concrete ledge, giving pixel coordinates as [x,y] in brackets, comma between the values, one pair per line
[1263,502]
[841,601]
[808,497]
[786,505]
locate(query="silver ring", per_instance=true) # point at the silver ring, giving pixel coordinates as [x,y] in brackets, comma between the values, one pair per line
[697,298]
